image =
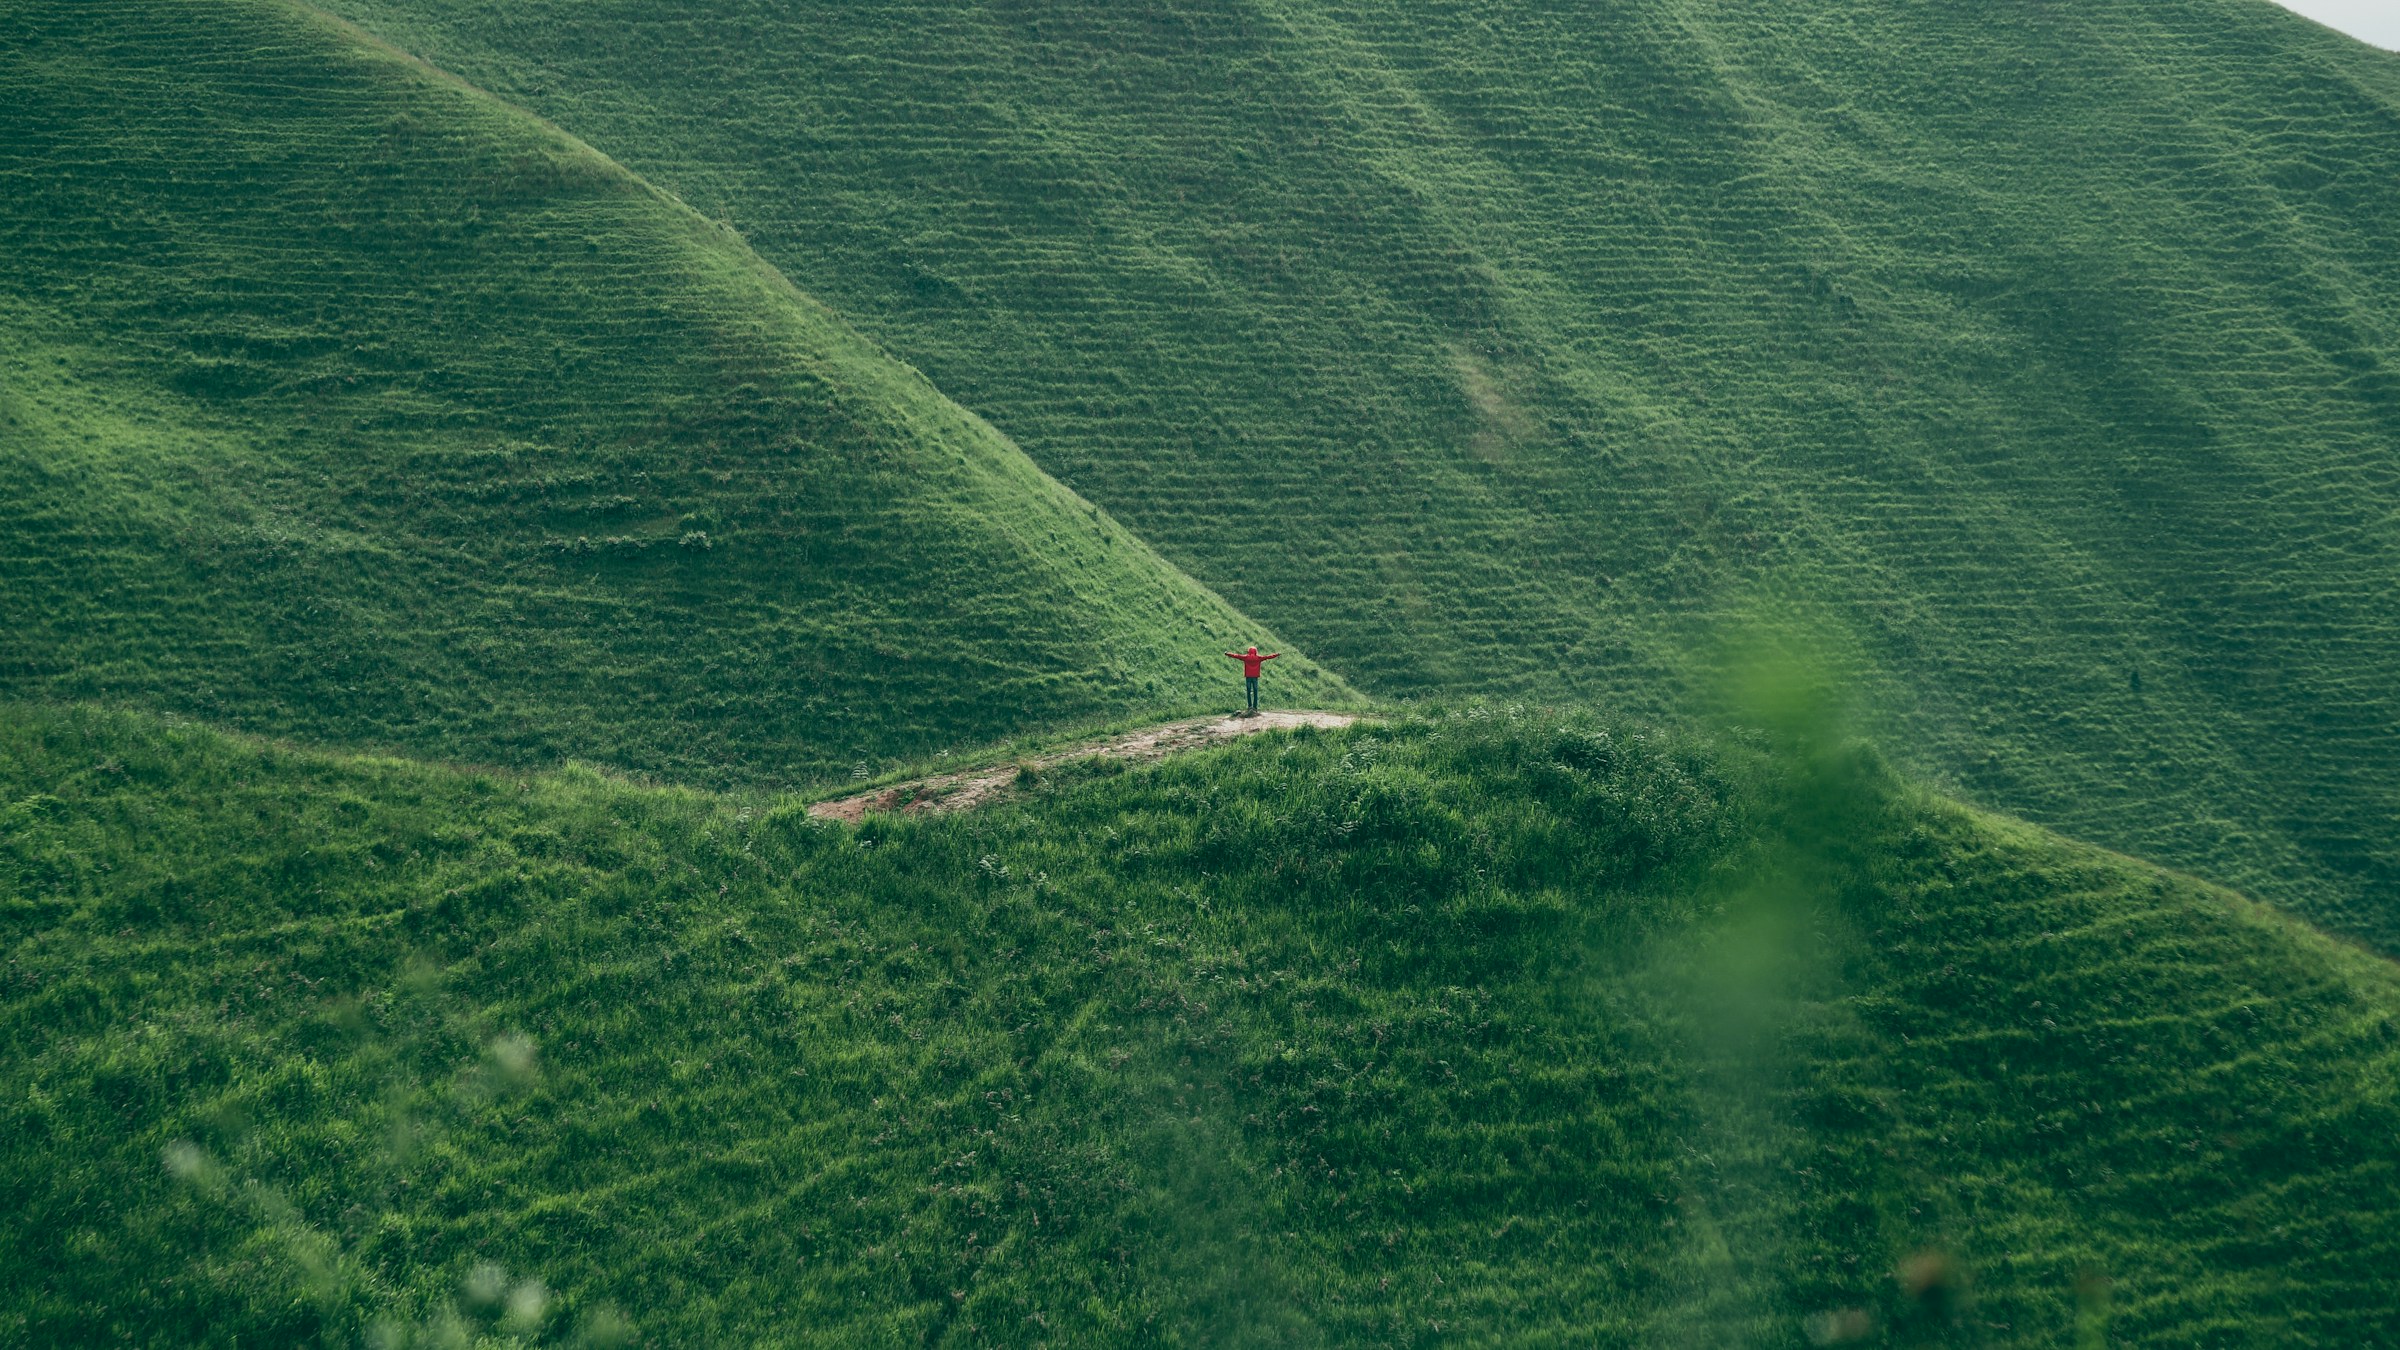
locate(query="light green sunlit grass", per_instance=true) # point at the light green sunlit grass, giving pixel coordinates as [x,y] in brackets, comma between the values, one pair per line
[342,403]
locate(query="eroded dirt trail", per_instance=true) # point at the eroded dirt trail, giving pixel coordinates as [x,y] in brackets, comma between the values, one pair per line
[972,787]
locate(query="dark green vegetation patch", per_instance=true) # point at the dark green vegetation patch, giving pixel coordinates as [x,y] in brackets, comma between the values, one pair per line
[341,402]
[1494,1028]
[1481,346]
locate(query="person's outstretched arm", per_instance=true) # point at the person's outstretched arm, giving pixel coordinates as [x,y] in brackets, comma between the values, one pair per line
[1233,656]
[1270,656]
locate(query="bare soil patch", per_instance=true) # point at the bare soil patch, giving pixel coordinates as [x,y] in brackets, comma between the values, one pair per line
[973,787]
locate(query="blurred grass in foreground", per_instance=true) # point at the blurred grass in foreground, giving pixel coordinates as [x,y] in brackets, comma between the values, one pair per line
[1459,1029]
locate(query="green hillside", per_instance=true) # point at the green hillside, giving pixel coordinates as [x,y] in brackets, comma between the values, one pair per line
[1474,1029]
[343,403]
[1488,346]
[439,568]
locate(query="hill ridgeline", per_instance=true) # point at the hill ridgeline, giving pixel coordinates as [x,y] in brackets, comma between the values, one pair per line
[2050,349]
[347,404]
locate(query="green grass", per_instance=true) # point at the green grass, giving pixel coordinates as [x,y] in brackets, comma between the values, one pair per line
[342,403]
[1482,1027]
[1505,348]
[1491,347]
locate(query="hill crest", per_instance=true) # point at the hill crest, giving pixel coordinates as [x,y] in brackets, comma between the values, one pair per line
[2051,350]
[349,404]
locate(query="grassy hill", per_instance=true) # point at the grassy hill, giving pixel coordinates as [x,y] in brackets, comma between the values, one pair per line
[1502,349]
[340,402]
[1491,346]
[1487,1027]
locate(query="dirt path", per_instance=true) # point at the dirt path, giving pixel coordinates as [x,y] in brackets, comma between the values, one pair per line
[973,787]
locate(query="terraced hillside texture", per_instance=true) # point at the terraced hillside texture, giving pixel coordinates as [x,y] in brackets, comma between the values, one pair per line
[1488,346]
[340,402]
[1479,1028]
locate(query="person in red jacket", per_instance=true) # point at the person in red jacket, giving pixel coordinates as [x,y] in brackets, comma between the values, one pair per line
[1251,661]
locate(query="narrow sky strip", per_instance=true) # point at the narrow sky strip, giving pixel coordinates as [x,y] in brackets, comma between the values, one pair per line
[2376,21]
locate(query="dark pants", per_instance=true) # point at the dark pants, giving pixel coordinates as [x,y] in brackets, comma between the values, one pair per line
[1252,681]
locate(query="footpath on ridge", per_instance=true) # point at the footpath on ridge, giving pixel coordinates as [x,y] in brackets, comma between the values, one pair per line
[970,788]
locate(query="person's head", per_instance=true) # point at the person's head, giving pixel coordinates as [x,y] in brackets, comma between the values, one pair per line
[1253,649]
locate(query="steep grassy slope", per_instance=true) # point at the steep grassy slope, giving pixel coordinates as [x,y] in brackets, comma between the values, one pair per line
[1490,1028]
[341,402]
[1485,346]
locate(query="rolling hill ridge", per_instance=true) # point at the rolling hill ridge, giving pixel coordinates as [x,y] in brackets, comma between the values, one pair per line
[347,404]
[1499,348]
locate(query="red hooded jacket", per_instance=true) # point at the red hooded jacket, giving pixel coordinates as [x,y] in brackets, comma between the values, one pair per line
[1251,661]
